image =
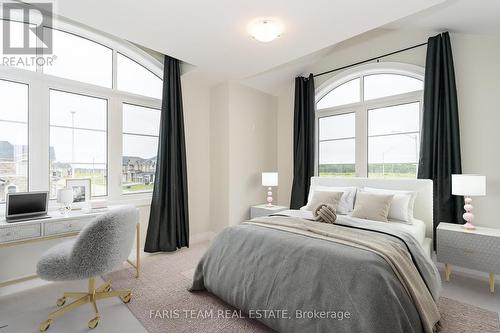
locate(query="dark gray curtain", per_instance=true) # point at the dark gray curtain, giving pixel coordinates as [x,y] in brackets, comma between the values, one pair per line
[168,227]
[303,140]
[440,142]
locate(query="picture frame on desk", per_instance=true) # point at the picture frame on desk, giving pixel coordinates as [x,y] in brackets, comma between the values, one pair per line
[81,191]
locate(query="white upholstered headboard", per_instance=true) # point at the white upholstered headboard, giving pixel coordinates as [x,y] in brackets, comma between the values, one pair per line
[423,204]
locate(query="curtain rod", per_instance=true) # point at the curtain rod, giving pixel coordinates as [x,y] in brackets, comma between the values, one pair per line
[371,59]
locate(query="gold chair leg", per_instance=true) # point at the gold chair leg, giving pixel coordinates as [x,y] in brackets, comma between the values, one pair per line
[105,287]
[114,293]
[447,271]
[81,298]
[94,321]
[91,285]
[74,295]
[67,308]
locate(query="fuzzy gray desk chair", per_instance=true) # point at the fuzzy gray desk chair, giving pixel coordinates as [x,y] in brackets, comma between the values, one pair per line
[102,245]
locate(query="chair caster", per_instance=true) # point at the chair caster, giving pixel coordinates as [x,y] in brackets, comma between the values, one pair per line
[61,301]
[93,322]
[126,298]
[45,325]
[107,289]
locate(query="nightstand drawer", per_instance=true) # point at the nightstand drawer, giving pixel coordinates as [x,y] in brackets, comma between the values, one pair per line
[469,241]
[265,210]
[62,227]
[468,258]
[19,232]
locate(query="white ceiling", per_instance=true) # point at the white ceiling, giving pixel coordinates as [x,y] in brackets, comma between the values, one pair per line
[459,16]
[212,35]
[462,16]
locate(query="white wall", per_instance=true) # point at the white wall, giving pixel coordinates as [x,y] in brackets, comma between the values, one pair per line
[477,72]
[252,148]
[196,99]
[219,156]
[477,69]
[243,144]
[285,142]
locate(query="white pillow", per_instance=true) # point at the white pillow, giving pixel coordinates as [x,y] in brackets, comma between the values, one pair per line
[346,202]
[402,203]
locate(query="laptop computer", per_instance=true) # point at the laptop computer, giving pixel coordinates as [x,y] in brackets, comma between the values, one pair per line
[26,206]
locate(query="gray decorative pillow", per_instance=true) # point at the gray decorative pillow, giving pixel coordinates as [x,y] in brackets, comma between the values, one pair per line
[372,206]
[325,213]
[324,197]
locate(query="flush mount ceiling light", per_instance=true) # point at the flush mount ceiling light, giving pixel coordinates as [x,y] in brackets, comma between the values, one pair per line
[265,29]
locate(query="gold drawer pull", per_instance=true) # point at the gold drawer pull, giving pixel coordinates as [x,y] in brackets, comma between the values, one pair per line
[469,251]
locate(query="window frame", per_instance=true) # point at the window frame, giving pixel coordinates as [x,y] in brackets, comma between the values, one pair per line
[115,77]
[69,32]
[360,109]
[39,86]
[333,113]
[143,135]
[28,131]
[106,131]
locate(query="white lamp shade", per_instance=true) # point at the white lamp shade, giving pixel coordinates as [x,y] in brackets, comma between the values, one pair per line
[468,185]
[269,179]
[65,196]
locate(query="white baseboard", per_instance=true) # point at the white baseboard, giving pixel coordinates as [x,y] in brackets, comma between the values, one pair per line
[202,237]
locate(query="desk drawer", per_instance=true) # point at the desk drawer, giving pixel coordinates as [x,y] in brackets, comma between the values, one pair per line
[62,227]
[19,232]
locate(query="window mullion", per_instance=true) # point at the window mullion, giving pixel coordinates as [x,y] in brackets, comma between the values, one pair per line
[114,71]
[362,88]
[39,136]
[114,147]
[361,142]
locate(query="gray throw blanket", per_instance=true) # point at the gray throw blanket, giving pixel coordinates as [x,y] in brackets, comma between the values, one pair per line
[325,213]
[321,284]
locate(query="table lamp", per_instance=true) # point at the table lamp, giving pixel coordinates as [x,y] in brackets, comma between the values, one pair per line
[65,198]
[468,185]
[269,179]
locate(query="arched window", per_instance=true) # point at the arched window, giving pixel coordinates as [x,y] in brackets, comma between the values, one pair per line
[368,122]
[99,96]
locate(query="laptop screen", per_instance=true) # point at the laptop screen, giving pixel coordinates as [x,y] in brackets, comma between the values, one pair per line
[22,204]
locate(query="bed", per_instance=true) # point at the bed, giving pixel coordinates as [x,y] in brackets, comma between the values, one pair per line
[297,275]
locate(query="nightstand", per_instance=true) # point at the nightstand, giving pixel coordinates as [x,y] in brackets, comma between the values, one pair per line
[265,210]
[477,249]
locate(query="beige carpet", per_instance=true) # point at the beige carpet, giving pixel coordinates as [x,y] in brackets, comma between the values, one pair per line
[162,303]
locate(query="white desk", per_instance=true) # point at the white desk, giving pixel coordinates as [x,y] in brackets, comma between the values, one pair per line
[57,226]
